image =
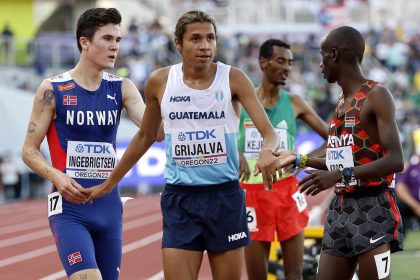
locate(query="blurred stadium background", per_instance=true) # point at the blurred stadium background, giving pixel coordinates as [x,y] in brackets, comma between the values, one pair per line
[37,41]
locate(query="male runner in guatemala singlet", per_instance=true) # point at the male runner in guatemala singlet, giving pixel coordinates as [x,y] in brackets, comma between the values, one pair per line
[280,214]
[203,206]
[363,153]
[79,112]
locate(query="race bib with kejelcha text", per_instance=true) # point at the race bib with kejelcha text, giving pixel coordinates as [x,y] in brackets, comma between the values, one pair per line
[199,147]
[254,141]
[340,158]
[90,160]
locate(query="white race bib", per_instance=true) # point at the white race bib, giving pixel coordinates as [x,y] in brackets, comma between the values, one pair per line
[251,217]
[254,141]
[199,147]
[300,200]
[55,204]
[383,264]
[339,158]
[90,160]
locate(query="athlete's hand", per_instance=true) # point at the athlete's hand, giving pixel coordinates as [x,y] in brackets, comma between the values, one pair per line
[287,159]
[98,191]
[318,181]
[268,165]
[244,171]
[70,189]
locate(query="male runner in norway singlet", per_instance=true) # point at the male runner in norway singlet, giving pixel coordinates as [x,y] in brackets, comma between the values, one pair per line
[287,214]
[203,205]
[363,153]
[79,112]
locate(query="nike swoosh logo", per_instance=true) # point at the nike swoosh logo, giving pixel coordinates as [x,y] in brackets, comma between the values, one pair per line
[375,240]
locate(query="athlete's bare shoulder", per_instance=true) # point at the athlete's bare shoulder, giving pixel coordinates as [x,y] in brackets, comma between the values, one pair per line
[156,83]
[160,75]
[379,94]
[45,92]
[239,81]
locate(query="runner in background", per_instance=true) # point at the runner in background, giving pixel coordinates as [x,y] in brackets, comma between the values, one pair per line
[281,213]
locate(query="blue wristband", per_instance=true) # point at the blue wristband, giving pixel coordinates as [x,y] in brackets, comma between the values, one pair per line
[298,158]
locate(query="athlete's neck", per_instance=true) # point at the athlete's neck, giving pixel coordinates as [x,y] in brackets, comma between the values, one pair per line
[352,80]
[88,78]
[268,94]
[200,78]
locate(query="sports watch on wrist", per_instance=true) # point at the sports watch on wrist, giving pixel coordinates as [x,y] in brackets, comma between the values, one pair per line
[347,175]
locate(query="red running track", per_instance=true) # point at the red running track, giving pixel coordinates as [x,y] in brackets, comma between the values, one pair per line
[28,252]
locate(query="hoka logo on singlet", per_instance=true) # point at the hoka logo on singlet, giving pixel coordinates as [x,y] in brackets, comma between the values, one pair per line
[343,140]
[180,99]
[91,117]
[196,115]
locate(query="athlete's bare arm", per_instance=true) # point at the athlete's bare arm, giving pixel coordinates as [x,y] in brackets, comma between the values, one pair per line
[308,115]
[378,119]
[242,89]
[143,139]
[243,171]
[43,112]
[133,103]
[305,112]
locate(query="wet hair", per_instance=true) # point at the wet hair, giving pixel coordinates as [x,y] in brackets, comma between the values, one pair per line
[190,18]
[348,39]
[94,18]
[266,49]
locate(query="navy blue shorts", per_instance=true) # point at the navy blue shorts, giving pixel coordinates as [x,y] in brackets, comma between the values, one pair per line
[90,235]
[199,218]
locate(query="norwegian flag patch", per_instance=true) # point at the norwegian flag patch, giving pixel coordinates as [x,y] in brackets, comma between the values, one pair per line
[350,122]
[70,100]
[74,258]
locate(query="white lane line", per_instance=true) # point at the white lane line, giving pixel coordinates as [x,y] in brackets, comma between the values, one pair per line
[54,276]
[142,221]
[157,276]
[142,242]
[25,238]
[127,248]
[145,208]
[28,255]
[46,233]
[24,226]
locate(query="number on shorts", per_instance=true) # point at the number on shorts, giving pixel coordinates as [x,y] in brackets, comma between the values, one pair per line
[383,263]
[300,201]
[55,203]
[251,217]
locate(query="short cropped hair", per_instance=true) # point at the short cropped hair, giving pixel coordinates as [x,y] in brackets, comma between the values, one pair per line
[189,18]
[266,49]
[350,39]
[94,18]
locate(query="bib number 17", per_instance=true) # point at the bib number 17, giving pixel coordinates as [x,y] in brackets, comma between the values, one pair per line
[55,203]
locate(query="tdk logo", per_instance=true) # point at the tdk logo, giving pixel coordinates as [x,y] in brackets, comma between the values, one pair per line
[196,135]
[180,99]
[334,155]
[237,236]
[93,148]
